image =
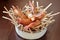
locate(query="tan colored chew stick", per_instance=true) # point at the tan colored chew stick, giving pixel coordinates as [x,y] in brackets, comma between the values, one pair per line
[14,21]
[5,8]
[5,12]
[37,4]
[21,27]
[6,18]
[55,14]
[49,13]
[48,21]
[30,30]
[47,7]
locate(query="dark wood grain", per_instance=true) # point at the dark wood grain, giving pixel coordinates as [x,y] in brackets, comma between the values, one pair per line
[7,30]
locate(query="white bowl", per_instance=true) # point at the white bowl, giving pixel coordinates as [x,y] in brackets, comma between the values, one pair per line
[26,35]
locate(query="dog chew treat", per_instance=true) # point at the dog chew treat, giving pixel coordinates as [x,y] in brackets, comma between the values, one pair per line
[37,4]
[31,5]
[30,15]
[33,8]
[33,24]
[40,15]
[24,21]
[18,12]
[47,7]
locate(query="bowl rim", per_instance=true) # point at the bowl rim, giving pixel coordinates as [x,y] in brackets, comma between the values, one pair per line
[20,31]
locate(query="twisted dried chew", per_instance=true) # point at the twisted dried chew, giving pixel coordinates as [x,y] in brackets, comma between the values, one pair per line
[19,12]
[33,24]
[24,21]
[40,16]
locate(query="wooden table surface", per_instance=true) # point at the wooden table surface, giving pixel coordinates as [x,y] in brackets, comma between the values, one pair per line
[7,30]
